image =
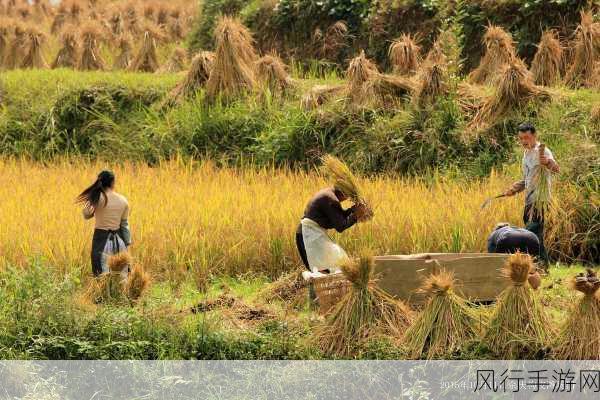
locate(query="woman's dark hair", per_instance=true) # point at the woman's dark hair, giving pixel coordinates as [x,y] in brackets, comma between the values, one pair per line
[527,127]
[91,195]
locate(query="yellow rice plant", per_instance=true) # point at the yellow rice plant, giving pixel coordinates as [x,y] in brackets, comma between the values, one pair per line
[201,219]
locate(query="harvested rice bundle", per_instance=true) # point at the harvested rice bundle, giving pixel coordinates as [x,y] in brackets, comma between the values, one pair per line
[390,88]
[146,59]
[432,84]
[579,337]
[116,21]
[289,288]
[335,39]
[548,59]
[445,324]
[515,90]
[587,51]
[24,12]
[34,57]
[196,78]
[541,181]
[471,98]
[130,18]
[320,94]
[499,51]
[17,48]
[594,81]
[344,180]
[177,61]
[360,72]
[233,69]
[60,18]
[68,55]
[162,16]
[518,323]
[595,114]
[90,59]
[405,55]
[436,53]
[123,60]
[137,282]
[118,262]
[272,73]
[75,11]
[363,312]
[5,30]
[175,25]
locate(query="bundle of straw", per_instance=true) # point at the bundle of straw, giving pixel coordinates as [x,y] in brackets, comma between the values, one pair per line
[361,71]
[363,312]
[69,52]
[499,51]
[146,59]
[445,324]
[90,59]
[432,84]
[343,179]
[34,57]
[177,61]
[595,114]
[320,94]
[59,19]
[5,29]
[405,55]
[586,49]
[515,90]
[548,60]
[579,337]
[16,49]
[272,73]
[123,60]
[196,78]
[541,181]
[335,39]
[233,72]
[518,324]
[137,282]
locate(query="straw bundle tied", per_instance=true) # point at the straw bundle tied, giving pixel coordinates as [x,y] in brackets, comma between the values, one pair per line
[361,71]
[68,55]
[364,312]
[146,59]
[595,114]
[405,55]
[432,84]
[233,69]
[541,181]
[445,324]
[177,61]
[343,179]
[196,78]
[34,57]
[548,60]
[137,282]
[5,29]
[123,60]
[587,51]
[515,90]
[518,325]
[272,73]
[16,49]
[335,39]
[91,60]
[579,337]
[499,51]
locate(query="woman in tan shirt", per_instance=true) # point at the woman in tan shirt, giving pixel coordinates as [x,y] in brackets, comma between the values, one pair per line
[111,211]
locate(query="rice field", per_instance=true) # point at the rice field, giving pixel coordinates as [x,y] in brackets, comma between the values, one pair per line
[194,219]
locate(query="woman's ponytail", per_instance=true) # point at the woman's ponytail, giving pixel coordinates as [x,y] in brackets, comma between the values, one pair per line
[91,196]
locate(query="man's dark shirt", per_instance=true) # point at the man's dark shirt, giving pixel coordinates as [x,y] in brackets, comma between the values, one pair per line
[326,210]
[509,239]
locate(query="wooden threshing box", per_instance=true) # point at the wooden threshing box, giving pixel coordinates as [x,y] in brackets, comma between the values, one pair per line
[477,277]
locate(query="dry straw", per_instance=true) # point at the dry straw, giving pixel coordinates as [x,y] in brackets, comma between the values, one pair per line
[5,30]
[360,73]
[343,179]
[90,60]
[548,60]
[196,78]
[432,83]
[68,55]
[273,75]
[541,181]
[586,51]
[335,39]
[515,90]
[177,62]
[146,59]
[137,283]
[579,337]
[60,18]
[365,311]
[320,94]
[232,73]
[17,48]
[499,51]
[518,326]
[34,57]
[595,114]
[405,55]
[445,325]
[123,60]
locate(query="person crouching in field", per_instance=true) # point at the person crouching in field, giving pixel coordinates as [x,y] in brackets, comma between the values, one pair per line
[532,162]
[111,211]
[324,211]
[509,240]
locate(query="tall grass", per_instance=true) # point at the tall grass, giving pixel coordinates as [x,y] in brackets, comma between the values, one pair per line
[195,220]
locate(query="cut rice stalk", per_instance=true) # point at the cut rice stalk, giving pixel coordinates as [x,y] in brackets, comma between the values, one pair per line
[499,51]
[548,59]
[405,55]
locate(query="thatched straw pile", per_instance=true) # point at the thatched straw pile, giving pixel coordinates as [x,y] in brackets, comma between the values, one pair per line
[499,51]
[579,337]
[146,59]
[518,323]
[90,59]
[515,90]
[321,94]
[115,21]
[175,26]
[5,30]
[335,39]
[68,55]
[33,57]
[595,114]
[587,52]
[360,73]
[273,75]
[177,62]
[196,78]
[17,48]
[60,18]
[137,282]
[232,73]
[405,55]
[432,83]
[546,65]
[123,60]
[445,324]
[363,312]
[130,18]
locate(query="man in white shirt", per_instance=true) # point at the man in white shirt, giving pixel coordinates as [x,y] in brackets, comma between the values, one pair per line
[532,160]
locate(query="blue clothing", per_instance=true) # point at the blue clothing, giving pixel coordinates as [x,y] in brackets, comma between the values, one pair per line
[510,239]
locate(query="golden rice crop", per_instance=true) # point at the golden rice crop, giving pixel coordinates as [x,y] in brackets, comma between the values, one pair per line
[194,219]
